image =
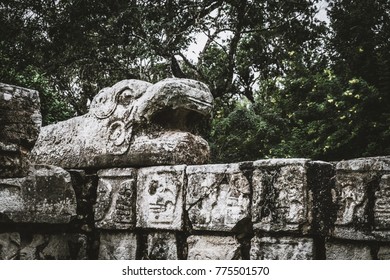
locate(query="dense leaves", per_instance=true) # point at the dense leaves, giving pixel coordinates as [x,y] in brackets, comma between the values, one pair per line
[286,84]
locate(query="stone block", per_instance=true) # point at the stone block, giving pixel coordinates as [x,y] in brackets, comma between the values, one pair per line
[360,199]
[54,247]
[347,251]
[282,248]
[43,246]
[117,246]
[9,246]
[382,204]
[20,122]
[218,196]
[292,195]
[384,252]
[116,199]
[365,164]
[46,195]
[161,246]
[352,198]
[213,248]
[160,197]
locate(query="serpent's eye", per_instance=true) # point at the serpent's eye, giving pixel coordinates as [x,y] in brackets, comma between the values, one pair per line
[126,97]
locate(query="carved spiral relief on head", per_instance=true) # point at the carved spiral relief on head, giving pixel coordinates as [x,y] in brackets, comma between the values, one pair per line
[104,103]
[122,93]
[117,133]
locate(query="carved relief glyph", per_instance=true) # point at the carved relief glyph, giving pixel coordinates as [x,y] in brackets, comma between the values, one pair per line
[382,202]
[213,248]
[160,197]
[115,201]
[217,196]
[117,246]
[42,246]
[161,246]
[352,198]
[280,196]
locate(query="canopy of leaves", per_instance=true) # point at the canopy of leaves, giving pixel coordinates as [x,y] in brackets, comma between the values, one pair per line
[285,83]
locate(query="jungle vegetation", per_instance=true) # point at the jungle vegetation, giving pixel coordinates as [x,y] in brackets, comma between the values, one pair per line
[287,83]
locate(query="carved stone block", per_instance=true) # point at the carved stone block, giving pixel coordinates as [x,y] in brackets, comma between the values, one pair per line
[160,197]
[213,248]
[117,246]
[9,246]
[116,199]
[20,122]
[218,196]
[292,195]
[133,123]
[347,251]
[360,199]
[53,247]
[352,198]
[382,204]
[45,196]
[282,248]
[162,246]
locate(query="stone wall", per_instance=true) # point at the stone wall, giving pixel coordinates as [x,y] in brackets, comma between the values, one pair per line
[266,209]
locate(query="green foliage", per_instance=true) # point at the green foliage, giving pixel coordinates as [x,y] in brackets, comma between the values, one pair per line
[83,46]
[329,119]
[247,133]
[285,83]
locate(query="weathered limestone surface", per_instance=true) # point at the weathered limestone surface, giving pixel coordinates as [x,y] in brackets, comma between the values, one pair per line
[9,245]
[162,246]
[103,208]
[160,197]
[282,248]
[44,196]
[43,246]
[132,123]
[213,248]
[289,196]
[116,199]
[55,247]
[365,164]
[218,196]
[280,195]
[384,252]
[346,251]
[382,204]
[117,246]
[20,122]
[360,198]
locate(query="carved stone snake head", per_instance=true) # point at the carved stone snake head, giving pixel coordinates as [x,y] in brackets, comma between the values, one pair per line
[133,123]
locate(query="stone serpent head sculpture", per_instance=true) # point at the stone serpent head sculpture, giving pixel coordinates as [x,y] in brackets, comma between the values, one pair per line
[133,123]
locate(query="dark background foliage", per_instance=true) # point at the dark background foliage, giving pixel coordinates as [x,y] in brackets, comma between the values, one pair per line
[286,83]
